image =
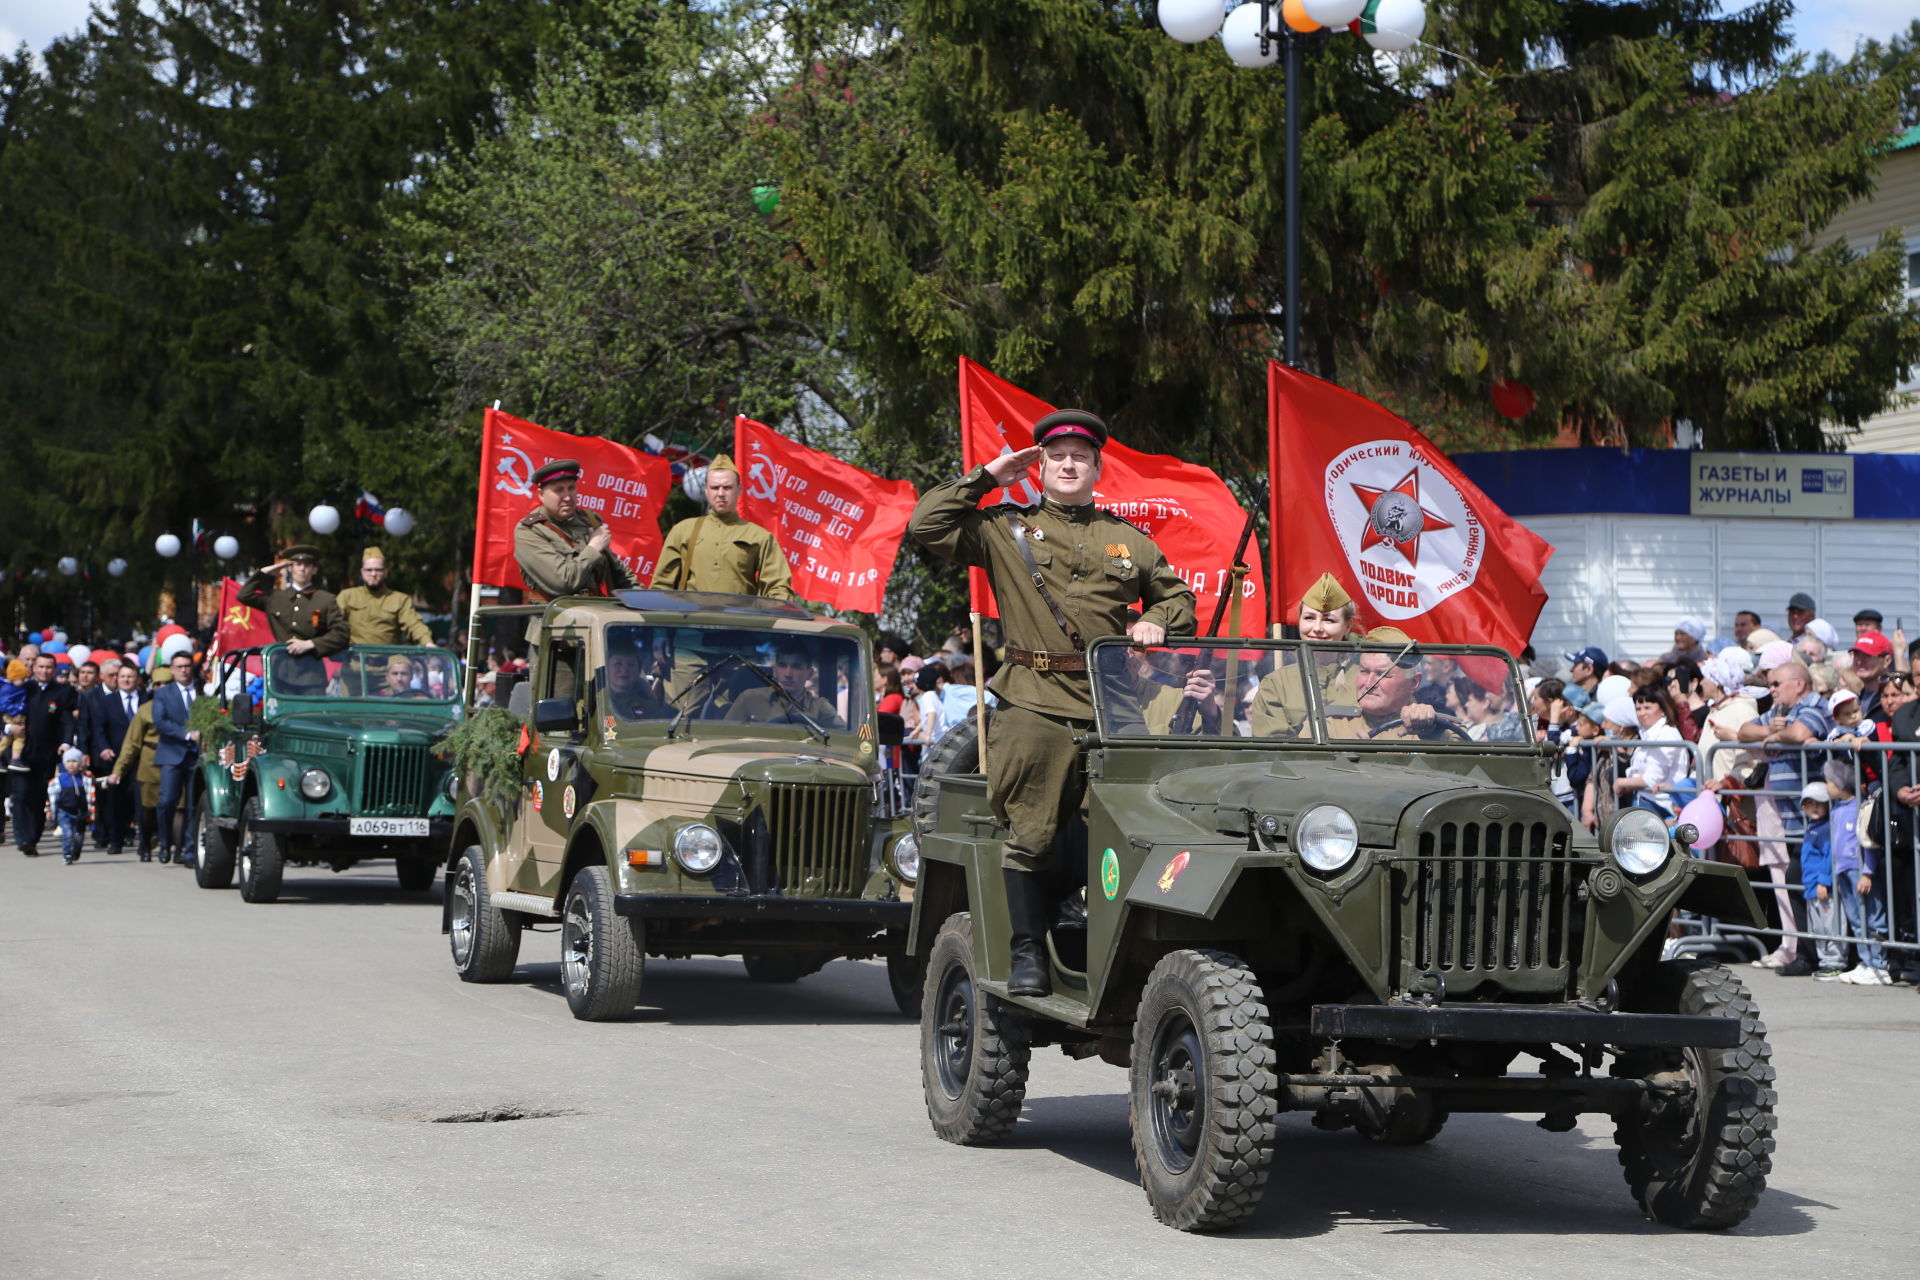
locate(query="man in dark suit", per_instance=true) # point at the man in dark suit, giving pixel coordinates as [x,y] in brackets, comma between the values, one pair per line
[52,725]
[105,714]
[178,756]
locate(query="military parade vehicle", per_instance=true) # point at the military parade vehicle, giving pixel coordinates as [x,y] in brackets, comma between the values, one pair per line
[688,785]
[1349,902]
[325,761]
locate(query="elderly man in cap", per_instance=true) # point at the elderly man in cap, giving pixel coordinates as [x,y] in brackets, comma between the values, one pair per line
[1383,707]
[723,550]
[1065,573]
[376,613]
[563,549]
[1279,704]
[305,617]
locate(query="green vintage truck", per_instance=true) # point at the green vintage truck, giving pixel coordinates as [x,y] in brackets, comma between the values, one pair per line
[329,762]
[1342,900]
[688,785]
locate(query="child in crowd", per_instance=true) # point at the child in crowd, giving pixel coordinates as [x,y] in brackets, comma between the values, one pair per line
[13,708]
[1816,874]
[1844,706]
[1853,870]
[70,804]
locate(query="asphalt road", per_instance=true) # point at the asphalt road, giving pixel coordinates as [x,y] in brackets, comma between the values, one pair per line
[198,1087]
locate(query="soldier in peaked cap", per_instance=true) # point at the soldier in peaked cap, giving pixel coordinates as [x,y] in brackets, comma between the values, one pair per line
[376,613]
[1279,705]
[723,550]
[563,550]
[1065,573]
[301,614]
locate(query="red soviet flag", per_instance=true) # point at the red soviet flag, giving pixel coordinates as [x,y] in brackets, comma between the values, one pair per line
[839,526]
[1185,508]
[1372,501]
[623,486]
[238,627]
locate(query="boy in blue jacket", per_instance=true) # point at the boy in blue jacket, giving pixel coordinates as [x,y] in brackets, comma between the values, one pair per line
[1816,873]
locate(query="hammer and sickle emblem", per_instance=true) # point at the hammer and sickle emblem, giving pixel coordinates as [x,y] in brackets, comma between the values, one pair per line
[516,468]
[237,616]
[760,479]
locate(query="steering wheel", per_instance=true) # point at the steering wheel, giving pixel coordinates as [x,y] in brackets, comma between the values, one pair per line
[1445,722]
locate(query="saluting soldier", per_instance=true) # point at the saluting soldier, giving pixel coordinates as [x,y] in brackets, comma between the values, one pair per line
[1279,705]
[1065,573]
[376,613]
[563,550]
[301,614]
[723,550]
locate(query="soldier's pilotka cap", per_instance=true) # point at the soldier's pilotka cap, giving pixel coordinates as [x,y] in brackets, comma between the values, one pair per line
[1071,422]
[302,551]
[1326,595]
[558,469]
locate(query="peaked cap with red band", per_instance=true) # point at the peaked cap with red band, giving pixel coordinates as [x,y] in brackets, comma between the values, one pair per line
[559,469]
[1071,422]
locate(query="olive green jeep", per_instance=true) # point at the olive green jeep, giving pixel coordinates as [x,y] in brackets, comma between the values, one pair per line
[1343,900]
[325,761]
[698,777]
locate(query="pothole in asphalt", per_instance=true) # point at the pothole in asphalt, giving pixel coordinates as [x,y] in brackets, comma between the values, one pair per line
[500,1115]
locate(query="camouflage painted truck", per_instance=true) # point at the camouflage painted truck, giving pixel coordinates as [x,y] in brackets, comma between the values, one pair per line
[684,790]
[314,761]
[1369,910]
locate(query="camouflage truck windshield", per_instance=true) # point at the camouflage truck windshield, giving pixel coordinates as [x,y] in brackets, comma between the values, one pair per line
[733,675]
[1311,693]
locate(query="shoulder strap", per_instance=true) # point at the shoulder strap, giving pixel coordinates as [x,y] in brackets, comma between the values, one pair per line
[686,556]
[1019,532]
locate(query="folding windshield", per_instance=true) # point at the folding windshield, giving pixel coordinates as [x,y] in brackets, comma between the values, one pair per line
[1436,695]
[402,673]
[739,676]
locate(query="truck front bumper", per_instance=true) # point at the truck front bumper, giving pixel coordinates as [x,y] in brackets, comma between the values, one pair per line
[755,907]
[1523,1024]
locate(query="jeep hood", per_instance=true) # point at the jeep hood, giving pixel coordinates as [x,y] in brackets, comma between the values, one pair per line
[1219,797]
[370,726]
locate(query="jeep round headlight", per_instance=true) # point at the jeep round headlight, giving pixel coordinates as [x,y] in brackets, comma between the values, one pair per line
[315,784]
[1637,839]
[698,849]
[1327,837]
[905,856]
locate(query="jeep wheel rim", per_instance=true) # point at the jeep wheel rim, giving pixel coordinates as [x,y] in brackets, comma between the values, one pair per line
[576,946]
[953,1050]
[1177,1102]
[1676,1126]
[464,908]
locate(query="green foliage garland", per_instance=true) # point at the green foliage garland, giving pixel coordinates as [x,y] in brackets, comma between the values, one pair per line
[486,745]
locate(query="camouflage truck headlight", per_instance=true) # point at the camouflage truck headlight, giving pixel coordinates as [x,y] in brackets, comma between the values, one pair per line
[315,784]
[905,856]
[698,849]
[1637,839]
[1327,837]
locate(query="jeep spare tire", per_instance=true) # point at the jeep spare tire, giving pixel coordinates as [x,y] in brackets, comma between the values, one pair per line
[956,751]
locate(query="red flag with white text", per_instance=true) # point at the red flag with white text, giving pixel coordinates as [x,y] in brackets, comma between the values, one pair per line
[839,526]
[622,485]
[1371,500]
[1185,508]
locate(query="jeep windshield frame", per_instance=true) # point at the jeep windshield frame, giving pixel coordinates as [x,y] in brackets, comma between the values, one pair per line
[666,675]
[1139,695]
[360,673]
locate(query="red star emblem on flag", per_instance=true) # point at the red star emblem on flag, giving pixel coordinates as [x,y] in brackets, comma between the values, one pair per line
[1395,533]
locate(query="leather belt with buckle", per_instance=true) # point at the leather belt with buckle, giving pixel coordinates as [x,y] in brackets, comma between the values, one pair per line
[1047,661]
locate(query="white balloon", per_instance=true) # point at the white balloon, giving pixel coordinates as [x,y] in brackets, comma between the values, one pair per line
[1241,38]
[1334,13]
[1397,25]
[226,546]
[1190,21]
[323,519]
[167,545]
[116,567]
[79,654]
[694,484]
[69,566]
[399,521]
[174,644]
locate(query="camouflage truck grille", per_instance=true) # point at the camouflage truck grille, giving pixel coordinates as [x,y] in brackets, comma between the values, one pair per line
[393,781]
[1487,900]
[817,839]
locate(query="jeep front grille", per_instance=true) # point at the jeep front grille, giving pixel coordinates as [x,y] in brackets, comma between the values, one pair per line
[393,781]
[817,840]
[1487,900]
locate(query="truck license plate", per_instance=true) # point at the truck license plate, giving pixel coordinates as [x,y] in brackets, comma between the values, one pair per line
[387,826]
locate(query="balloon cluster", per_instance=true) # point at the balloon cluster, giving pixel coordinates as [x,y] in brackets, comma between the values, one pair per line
[1388,25]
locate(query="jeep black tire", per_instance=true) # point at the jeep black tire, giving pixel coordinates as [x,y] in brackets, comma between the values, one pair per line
[1203,1090]
[213,862]
[973,1052]
[263,862]
[1701,1161]
[416,874]
[907,980]
[484,939]
[602,960]
[957,751]
[783,966]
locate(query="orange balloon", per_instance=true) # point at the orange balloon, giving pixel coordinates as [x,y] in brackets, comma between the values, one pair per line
[1295,12]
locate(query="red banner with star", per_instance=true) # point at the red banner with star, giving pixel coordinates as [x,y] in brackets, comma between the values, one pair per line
[1372,501]
[1185,508]
[623,486]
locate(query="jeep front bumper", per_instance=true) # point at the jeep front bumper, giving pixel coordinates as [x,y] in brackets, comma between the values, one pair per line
[1522,1024]
[757,907]
[439,830]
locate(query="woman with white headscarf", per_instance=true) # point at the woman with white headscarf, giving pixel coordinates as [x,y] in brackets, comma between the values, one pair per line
[1729,706]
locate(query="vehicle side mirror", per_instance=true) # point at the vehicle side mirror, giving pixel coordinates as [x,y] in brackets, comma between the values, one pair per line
[240,711]
[555,715]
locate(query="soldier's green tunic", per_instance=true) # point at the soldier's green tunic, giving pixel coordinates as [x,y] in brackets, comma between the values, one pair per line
[724,553]
[295,614]
[382,616]
[764,706]
[555,560]
[1096,566]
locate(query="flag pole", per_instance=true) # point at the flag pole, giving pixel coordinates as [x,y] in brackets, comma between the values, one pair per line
[1276,585]
[980,687]
[976,578]
[473,578]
